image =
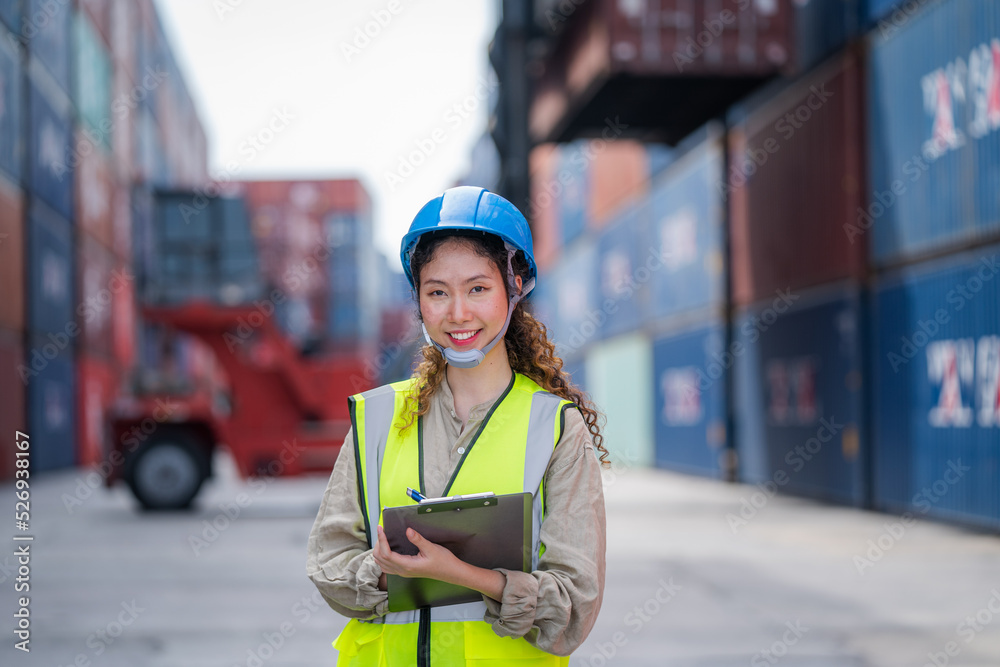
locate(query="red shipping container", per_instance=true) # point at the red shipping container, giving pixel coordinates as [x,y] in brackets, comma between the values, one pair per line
[12,408]
[94,190]
[606,39]
[97,386]
[797,174]
[11,257]
[124,321]
[99,279]
[619,171]
[543,214]
[290,220]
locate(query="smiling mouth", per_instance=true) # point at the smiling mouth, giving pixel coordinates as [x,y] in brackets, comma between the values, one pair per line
[465,336]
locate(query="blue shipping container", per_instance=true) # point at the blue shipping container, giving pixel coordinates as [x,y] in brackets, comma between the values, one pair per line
[10,14]
[51,395]
[572,200]
[936,425]
[50,268]
[579,315]
[892,13]
[622,276]
[798,394]
[690,407]
[51,170]
[934,118]
[684,240]
[11,130]
[47,31]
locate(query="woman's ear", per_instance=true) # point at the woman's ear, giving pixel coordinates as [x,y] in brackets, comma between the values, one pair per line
[518,283]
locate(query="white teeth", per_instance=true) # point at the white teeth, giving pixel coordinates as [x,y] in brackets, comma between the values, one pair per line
[463,336]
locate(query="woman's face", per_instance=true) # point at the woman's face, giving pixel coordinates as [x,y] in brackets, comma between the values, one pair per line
[462,297]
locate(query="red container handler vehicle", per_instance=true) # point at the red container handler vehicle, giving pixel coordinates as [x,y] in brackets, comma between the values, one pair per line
[285,414]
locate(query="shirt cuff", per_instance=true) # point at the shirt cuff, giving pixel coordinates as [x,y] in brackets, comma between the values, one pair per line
[369,596]
[514,614]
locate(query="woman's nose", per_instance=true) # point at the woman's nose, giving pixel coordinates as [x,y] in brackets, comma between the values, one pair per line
[460,309]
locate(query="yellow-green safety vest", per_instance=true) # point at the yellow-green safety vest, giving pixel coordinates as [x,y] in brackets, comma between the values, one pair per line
[508,454]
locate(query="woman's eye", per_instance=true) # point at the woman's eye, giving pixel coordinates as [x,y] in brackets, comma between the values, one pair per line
[477,289]
[437,292]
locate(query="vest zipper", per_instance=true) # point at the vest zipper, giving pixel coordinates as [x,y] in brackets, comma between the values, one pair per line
[424,638]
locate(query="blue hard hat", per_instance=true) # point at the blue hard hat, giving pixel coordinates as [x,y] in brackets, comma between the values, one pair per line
[470,208]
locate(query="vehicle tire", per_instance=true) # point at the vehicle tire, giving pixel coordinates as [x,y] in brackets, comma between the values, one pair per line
[167,472]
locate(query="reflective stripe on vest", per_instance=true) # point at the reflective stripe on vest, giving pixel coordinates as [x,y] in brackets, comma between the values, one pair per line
[509,454]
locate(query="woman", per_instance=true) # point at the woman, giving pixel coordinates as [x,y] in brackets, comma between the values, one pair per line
[488,396]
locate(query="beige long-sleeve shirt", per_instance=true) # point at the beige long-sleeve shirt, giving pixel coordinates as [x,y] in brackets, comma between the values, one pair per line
[554,607]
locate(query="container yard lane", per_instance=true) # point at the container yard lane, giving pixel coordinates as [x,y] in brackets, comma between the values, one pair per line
[22,542]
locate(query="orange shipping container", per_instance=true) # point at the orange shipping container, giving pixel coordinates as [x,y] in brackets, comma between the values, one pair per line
[619,171]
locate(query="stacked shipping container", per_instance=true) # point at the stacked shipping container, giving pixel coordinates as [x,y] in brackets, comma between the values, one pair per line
[796,175]
[316,247]
[860,324]
[74,79]
[934,114]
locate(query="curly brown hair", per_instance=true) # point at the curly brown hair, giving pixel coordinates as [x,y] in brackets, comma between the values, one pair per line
[529,350]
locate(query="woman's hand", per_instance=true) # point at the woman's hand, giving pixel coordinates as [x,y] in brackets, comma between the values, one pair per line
[436,562]
[433,561]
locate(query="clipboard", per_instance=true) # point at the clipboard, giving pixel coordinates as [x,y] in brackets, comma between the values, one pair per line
[485,530]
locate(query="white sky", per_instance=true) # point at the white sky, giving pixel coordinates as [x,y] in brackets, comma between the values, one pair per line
[354,115]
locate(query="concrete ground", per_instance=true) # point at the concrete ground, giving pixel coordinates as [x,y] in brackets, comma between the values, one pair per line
[798,584]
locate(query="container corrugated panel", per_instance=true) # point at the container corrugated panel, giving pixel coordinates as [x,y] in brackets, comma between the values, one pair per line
[573,175]
[798,394]
[51,167]
[94,191]
[48,37]
[11,257]
[936,400]
[98,384]
[51,398]
[796,179]
[934,114]
[92,81]
[12,407]
[677,37]
[690,405]
[615,369]
[579,317]
[11,127]
[623,276]
[98,280]
[50,267]
[683,244]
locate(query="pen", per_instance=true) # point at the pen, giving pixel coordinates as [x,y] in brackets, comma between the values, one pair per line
[416,495]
